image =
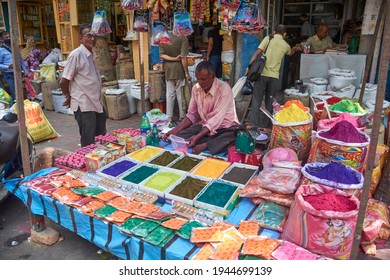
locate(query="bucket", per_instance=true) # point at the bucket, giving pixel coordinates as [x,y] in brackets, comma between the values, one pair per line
[179,144]
[234,156]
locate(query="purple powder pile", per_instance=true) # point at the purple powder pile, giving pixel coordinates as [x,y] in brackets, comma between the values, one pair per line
[335,172]
[118,168]
[344,131]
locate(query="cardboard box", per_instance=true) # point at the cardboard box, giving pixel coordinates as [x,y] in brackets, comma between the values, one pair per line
[104,154]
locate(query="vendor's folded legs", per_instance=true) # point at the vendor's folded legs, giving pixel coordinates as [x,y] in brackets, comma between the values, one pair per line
[215,144]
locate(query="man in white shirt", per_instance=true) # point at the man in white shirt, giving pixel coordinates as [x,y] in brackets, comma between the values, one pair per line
[81,85]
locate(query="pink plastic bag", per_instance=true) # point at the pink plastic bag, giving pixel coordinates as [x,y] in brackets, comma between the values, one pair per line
[327,233]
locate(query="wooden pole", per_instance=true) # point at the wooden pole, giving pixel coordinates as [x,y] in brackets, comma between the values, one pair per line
[383,70]
[372,49]
[16,59]
[142,74]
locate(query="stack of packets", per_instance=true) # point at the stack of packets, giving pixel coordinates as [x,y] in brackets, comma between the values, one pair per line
[223,241]
[129,137]
[103,154]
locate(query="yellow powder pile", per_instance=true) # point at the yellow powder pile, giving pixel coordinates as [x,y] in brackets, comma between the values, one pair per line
[291,114]
[145,153]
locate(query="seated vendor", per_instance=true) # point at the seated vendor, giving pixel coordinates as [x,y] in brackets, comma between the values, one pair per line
[211,117]
[321,41]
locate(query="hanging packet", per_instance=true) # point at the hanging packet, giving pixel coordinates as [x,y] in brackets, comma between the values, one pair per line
[182,24]
[160,34]
[132,4]
[141,20]
[100,24]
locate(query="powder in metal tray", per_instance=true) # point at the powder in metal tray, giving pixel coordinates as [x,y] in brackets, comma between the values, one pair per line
[344,131]
[335,172]
[118,168]
[331,202]
[164,159]
[239,175]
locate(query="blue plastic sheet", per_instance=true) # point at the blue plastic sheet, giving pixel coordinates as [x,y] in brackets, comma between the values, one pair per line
[107,235]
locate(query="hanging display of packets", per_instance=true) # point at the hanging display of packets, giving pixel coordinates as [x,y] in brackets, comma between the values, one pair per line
[100,24]
[132,4]
[226,16]
[200,11]
[160,34]
[247,18]
[141,20]
[230,4]
[181,24]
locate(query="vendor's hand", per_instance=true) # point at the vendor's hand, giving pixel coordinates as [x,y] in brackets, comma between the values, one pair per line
[179,57]
[188,77]
[173,131]
[10,66]
[192,141]
[297,48]
[66,102]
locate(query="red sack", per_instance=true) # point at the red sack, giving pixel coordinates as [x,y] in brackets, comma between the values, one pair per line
[30,89]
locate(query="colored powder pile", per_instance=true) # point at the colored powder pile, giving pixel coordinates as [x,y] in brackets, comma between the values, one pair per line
[330,101]
[118,168]
[164,159]
[162,180]
[335,172]
[211,168]
[145,153]
[140,174]
[331,202]
[217,194]
[348,106]
[239,175]
[344,131]
[186,163]
[291,114]
[189,188]
[296,102]
[326,124]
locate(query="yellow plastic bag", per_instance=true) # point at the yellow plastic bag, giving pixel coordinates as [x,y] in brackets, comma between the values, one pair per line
[37,124]
[48,71]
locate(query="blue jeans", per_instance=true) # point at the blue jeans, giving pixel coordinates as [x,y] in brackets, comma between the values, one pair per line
[9,77]
[215,60]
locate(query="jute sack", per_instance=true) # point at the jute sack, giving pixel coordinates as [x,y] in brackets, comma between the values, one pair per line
[47,88]
[103,59]
[105,86]
[117,106]
[124,69]
[157,85]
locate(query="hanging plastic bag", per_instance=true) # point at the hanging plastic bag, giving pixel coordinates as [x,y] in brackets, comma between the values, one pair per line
[141,20]
[182,24]
[247,18]
[160,34]
[132,5]
[100,24]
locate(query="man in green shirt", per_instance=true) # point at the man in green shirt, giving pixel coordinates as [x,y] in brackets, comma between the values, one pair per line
[266,85]
[321,40]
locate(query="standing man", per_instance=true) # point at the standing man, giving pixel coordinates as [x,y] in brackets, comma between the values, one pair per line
[214,50]
[176,72]
[211,118]
[307,29]
[6,64]
[321,40]
[266,86]
[81,85]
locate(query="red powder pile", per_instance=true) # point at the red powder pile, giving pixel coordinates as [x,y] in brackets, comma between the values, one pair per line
[344,131]
[331,202]
[330,101]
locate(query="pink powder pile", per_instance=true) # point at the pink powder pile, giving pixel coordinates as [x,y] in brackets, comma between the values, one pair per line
[344,131]
[331,202]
